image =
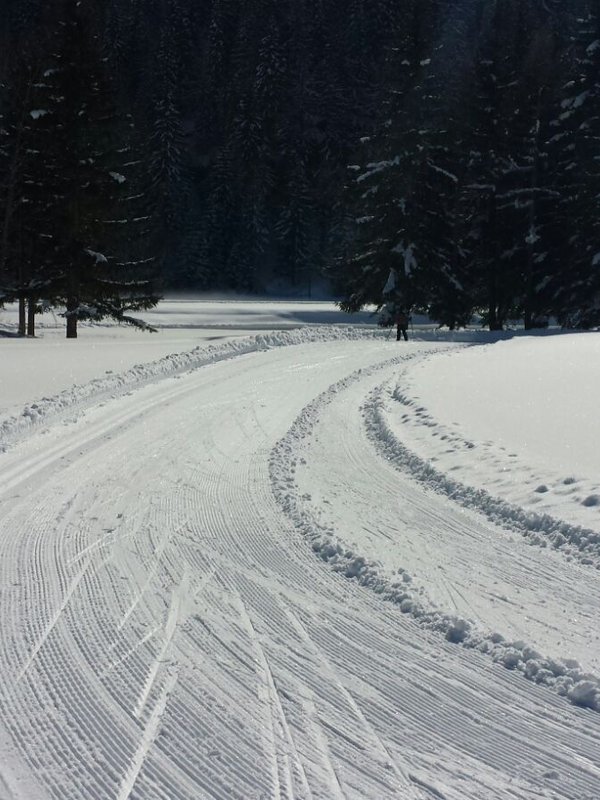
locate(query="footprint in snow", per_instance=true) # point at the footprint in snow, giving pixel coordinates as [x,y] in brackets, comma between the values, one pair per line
[591,501]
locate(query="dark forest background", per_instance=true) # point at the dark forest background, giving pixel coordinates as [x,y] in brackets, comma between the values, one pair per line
[257,145]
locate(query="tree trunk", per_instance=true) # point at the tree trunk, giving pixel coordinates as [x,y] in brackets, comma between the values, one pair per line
[71,318]
[31,316]
[494,320]
[22,317]
[495,324]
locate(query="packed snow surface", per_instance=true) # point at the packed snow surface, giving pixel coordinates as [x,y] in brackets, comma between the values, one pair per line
[516,392]
[310,562]
[45,366]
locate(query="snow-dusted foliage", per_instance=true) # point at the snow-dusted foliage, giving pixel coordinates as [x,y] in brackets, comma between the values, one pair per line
[482,174]
[73,225]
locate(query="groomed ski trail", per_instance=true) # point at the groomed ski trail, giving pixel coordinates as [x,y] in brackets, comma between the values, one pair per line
[144,556]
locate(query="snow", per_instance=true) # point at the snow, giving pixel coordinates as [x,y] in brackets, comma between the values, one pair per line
[99,258]
[442,171]
[44,367]
[258,554]
[528,405]
[390,284]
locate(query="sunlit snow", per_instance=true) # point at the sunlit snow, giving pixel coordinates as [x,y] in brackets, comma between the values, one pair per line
[271,552]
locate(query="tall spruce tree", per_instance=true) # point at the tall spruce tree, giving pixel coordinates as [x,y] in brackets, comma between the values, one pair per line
[574,284]
[24,202]
[404,195]
[93,225]
[471,125]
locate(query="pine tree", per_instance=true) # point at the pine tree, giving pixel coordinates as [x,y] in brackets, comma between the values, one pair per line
[404,195]
[507,187]
[80,183]
[23,206]
[473,182]
[167,165]
[574,284]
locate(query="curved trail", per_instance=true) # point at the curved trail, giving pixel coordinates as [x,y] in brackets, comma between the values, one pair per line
[171,634]
[452,556]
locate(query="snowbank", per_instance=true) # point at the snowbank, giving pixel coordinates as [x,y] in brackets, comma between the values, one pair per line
[78,397]
[514,419]
[563,675]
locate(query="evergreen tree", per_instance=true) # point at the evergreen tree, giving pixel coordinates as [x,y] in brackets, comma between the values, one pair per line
[167,163]
[81,210]
[405,194]
[574,284]
[510,184]
[23,206]
[471,128]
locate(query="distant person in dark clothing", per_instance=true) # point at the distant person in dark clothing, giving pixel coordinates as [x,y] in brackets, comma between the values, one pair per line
[401,326]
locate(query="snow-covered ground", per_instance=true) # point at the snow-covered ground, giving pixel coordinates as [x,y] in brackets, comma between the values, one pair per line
[310,562]
[45,366]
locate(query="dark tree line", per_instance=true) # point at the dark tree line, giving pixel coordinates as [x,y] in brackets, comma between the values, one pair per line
[249,113]
[481,191]
[251,143]
[73,220]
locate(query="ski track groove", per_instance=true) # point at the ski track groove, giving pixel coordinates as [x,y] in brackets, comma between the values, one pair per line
[404,782]
[294,446]
[247,572]
[333,785]
[265,693]
[261,551]
[53,621]
[169,630]
[149,734]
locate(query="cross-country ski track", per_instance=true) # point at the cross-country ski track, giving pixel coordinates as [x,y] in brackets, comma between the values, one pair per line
[225,584]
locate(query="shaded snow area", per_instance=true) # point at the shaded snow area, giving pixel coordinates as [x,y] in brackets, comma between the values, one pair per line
[308,563]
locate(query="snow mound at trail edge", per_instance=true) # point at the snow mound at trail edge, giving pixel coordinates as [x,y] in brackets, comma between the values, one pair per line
[542,529]
[77,398]
[564,676]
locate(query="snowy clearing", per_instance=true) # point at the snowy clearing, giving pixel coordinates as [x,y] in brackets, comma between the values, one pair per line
[297,565]
[45,367]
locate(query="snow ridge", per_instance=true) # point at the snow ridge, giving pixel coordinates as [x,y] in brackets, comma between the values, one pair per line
[542,529]
[77,398]
[563,676]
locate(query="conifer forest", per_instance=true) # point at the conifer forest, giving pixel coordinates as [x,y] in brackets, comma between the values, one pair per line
[446,152]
